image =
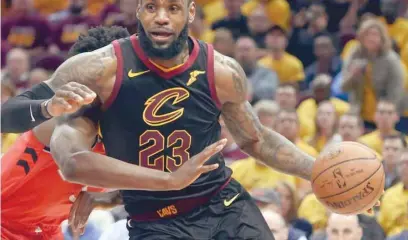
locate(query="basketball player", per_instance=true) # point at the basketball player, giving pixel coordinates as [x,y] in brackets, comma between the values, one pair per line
[35,200]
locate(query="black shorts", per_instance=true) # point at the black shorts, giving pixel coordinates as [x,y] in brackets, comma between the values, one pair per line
[231,214]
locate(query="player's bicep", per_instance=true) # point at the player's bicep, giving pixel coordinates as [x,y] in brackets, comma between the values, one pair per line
[90,69]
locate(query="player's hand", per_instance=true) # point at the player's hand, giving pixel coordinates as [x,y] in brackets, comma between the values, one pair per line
[69,99]
[194,167]
[377,204]
[80,211]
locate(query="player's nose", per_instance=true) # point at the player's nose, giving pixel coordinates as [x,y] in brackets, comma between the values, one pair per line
[162,18]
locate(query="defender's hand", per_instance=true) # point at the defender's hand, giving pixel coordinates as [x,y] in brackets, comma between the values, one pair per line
[194,167]
[69,99]
[80,211]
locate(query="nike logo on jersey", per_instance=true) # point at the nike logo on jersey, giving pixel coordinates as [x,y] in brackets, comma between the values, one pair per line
[193,76]
[132,74]
[227,203]
[31,114]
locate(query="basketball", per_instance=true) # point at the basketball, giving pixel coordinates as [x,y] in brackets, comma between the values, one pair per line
[348,178]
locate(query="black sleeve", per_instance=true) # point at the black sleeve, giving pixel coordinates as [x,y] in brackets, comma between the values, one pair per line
[23,112]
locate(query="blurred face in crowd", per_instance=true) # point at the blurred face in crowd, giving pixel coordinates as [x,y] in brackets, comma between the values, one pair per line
[77,6]
[326,116]
[386,116]
[224,42]
[323,48]
[233,7]
[37,76]
[286,124]
[403,166]
[286,199]
[392,149]
[350,128]
[321,87]
[17,62]
[276,224]
[317,17]
[267,119]
[341,227]
[371,39]
[6,93]
[22,5]
[276,41]
[245,53]
[163,31]
[258,22]
[286,97]
[128,6]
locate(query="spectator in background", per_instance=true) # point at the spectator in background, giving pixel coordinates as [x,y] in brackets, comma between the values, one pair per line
[127,18]
[308,25]
[402,236]
[266,110]
[231,151]
[37,76]
[371,228]
[392,149]
[342,227]
[397,26]
[199,28]
[224,42]
[286,95]
[267,199]
[280,230]
[259,24]
[372,71]
[386,117]
[67,31]
[307,109]
[394,205]
[25,29]
[315,213]
[263,81]
[288,67]
[327,62]
[278,11]
[7,139]
[326,126]
[234,20]
[351,127]
[17,69]
[109,12]
[289,201]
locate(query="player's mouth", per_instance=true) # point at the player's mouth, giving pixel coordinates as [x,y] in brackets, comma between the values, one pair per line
[161,36]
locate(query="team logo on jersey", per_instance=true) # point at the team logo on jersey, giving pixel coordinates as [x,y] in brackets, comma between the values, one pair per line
[193,76]
[153,105]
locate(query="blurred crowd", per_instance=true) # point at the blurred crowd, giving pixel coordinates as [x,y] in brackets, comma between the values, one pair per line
[319,71]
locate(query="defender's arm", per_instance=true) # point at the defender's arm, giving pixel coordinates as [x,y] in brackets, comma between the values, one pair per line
[30,109]
[257,140]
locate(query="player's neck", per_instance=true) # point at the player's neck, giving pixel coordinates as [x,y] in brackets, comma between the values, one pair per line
[177,60]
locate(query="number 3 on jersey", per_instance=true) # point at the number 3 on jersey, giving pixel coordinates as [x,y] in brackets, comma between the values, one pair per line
[178,140]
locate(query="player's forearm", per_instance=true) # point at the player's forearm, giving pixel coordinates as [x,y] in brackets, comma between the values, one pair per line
[25,111]
[279,153]
[93,169]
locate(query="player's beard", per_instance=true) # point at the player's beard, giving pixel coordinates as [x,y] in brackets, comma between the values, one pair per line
[174,49]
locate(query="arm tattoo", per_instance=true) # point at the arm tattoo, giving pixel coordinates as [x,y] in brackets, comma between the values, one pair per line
[263,144]
[85,68]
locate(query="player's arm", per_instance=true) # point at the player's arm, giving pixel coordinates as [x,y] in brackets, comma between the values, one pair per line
[255,139]
[71,144]
[74,84]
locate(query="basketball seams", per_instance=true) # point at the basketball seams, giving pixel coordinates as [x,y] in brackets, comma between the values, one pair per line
[367,178]
[349,160]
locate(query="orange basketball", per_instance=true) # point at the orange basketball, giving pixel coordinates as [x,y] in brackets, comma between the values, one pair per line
[348,178]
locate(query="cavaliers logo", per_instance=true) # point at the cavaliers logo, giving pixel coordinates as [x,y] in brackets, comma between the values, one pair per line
[151,112]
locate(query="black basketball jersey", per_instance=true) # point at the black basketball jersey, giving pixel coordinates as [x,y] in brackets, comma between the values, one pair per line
[159,118]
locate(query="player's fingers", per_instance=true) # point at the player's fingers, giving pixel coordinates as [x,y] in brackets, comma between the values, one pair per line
[208,168]
[70,95]
[89,93]
[377,204]
[210,151]
[370,211]
[62,102]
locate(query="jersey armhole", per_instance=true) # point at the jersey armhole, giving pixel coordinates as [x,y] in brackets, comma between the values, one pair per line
[211,76]
[119,76]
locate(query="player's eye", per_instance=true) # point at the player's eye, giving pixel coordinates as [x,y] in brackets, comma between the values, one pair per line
[174,8]
[150,7]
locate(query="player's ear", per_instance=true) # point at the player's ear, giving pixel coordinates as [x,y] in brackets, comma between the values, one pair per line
[139,7]
[191,12]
